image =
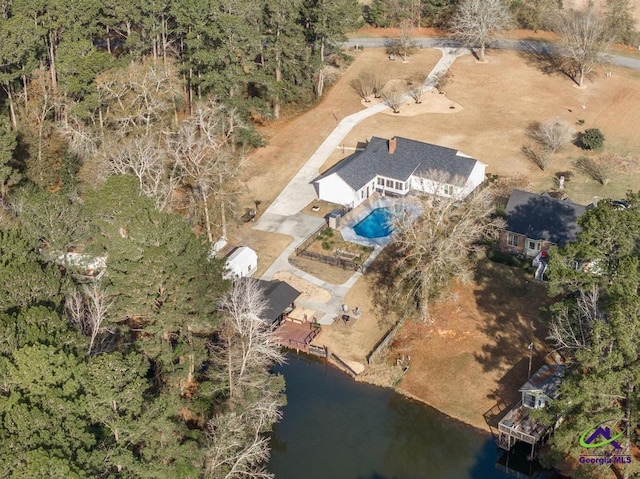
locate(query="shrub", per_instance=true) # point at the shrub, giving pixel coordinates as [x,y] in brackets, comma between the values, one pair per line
[508,259]
[539,156]
[326,245]
[592,139]
[552,133]
[597,169]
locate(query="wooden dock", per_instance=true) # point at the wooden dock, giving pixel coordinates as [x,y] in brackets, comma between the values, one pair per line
[518,425]
[298,336]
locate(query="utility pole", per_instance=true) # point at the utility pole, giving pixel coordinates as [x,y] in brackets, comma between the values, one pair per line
[530,354]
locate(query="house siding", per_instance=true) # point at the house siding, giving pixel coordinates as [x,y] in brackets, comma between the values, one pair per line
[334,190]
[522,246]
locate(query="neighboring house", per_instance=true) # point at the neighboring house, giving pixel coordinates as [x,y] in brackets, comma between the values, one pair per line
[241,262]
[543,386]
[536,222]
[397,167]
[280,300]
[518,424]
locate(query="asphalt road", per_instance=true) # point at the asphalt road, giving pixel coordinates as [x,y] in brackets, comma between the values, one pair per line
[530,46]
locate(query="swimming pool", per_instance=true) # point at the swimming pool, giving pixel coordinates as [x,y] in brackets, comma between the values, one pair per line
[376,224]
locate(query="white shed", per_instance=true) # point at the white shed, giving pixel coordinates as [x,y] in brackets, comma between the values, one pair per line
[242,262]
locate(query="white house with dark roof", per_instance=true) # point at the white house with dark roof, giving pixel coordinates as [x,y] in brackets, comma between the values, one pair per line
[398,166]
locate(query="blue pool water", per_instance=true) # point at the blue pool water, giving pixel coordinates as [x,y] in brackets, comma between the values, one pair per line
[377,224]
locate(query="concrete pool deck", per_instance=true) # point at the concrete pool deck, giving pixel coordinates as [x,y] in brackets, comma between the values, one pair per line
[348,233]
[285,215]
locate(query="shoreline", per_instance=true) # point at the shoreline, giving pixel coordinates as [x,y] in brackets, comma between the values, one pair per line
[405,394]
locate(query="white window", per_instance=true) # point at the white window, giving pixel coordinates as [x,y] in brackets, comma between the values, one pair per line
[448,190]
[534,246]
[512,240]
[398,186]
[381,181]
[389,183]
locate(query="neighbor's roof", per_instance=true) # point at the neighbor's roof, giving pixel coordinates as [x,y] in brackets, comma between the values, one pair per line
[546,380]
[410,157]
[278,296]
[542,217]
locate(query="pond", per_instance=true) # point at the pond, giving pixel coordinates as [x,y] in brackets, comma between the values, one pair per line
[376,224]
[336,428]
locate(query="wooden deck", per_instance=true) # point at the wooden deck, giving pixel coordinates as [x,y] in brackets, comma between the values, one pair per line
[518,425]
[296,335]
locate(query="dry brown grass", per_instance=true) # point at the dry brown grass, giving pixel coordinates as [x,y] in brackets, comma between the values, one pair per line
[475,352]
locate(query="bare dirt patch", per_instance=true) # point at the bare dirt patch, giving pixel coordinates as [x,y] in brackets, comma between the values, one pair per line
[325,272]
[310,292]
[431,101]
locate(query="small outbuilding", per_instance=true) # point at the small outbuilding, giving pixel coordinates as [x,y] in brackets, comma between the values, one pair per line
[241,262]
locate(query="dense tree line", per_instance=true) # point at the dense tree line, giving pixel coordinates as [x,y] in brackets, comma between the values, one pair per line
[100,79]
[530,14]
[124,352]
[135,366]
[595,325]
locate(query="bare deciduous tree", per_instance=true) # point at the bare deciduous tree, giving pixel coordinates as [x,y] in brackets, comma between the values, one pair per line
[476,22]
[552,133]
[415,87]
[394,97]
[598,169]
[203,152]
[87,310]
[378,82]
[363,88]
[584,40]
[503,186]
[436,246]
[404,45]
[571,329]
[236,450]
[146,158]
[246,343]
[141,96]
[538,155]
[440,80]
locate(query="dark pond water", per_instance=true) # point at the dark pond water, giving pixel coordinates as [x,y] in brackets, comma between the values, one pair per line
[336,428]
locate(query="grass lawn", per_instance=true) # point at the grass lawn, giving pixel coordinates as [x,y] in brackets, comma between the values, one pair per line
[475,351]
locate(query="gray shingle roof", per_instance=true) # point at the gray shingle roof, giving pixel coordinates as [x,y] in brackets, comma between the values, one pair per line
[546,380]
[410,156]
[278,295]
[542,217]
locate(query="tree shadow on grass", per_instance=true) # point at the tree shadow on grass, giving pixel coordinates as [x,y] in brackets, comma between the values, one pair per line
[510,300]
[382,276]
[546,60]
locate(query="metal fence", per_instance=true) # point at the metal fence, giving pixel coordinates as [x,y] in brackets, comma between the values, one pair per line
[312,237]
[332,260]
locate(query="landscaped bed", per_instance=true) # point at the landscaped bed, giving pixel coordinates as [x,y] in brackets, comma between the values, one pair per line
[331,243]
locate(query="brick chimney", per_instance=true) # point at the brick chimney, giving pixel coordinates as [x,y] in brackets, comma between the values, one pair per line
[392,145]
